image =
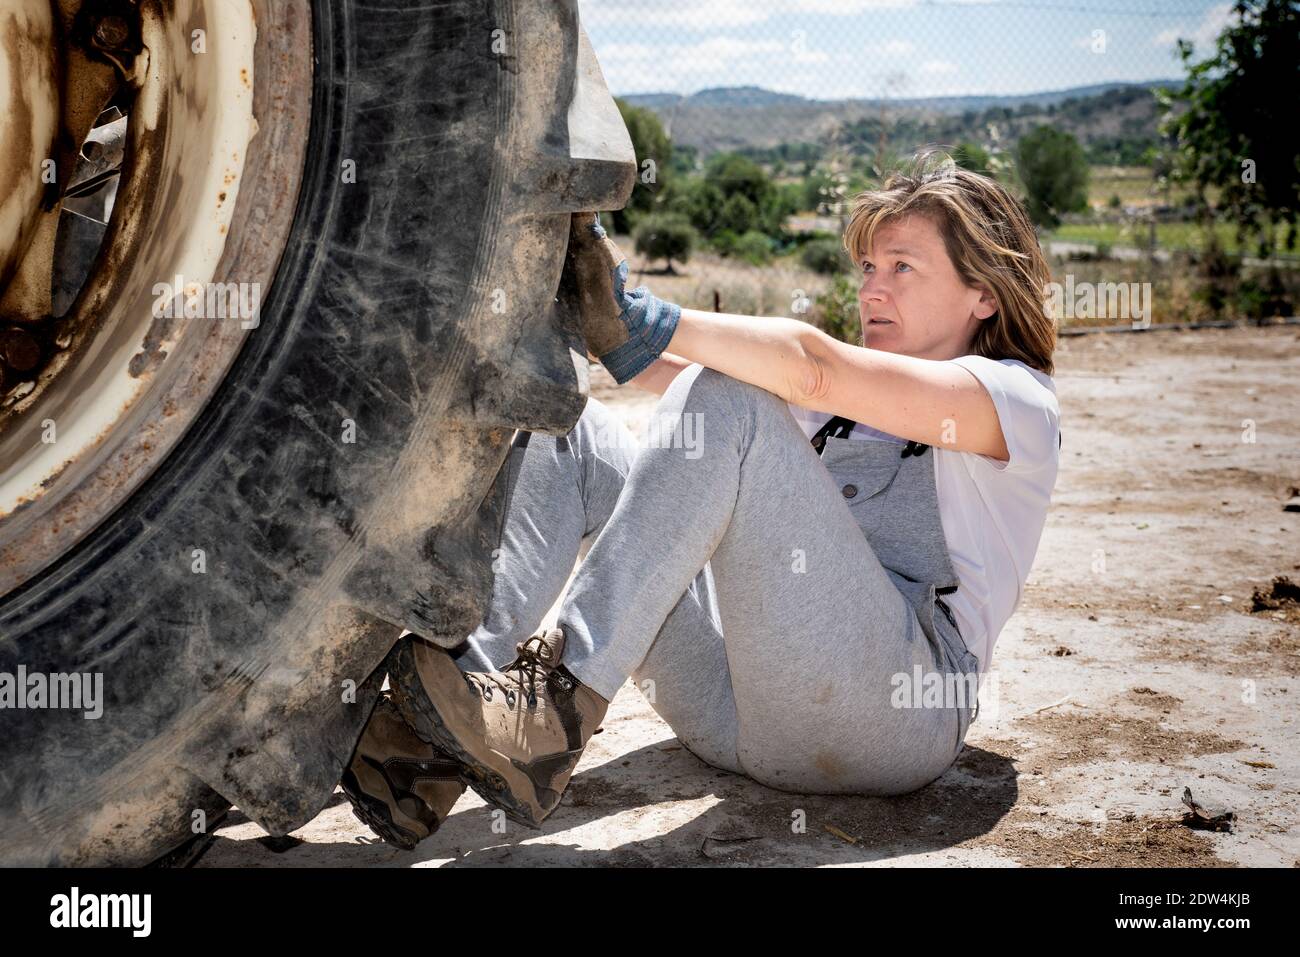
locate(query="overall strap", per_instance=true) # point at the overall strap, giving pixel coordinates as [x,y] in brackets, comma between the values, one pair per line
[840,427]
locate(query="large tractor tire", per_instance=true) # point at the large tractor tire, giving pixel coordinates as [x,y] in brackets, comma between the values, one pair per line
[235,545]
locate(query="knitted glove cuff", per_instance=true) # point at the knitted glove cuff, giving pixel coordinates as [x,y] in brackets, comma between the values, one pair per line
[650,323]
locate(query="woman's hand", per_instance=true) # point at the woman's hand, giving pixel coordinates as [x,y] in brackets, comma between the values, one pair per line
[625,331]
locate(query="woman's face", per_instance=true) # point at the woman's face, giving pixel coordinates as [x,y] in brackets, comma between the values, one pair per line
[912,301]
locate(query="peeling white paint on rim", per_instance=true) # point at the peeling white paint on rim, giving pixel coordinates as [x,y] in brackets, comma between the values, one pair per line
[210,127]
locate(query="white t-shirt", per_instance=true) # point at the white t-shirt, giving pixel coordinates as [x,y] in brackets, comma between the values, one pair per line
[992,512]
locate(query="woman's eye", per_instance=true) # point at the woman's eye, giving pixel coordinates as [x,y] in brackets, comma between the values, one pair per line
[902,266]
[867,267]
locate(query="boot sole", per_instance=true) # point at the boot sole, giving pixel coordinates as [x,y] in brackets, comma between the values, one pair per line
[376,815]
[422,714]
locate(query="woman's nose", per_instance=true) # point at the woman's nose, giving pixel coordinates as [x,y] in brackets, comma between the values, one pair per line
[872,289]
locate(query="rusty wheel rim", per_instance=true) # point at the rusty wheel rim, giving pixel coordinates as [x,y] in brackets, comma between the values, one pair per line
[220,106]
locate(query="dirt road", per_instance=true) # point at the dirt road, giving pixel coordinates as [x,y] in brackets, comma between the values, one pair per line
[1133,668]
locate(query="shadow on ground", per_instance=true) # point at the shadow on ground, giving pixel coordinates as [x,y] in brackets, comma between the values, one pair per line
[636,793]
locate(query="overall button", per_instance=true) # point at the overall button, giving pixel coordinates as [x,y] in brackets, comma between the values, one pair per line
[849,491]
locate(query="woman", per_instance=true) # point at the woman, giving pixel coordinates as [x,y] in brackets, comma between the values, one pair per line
[817,623]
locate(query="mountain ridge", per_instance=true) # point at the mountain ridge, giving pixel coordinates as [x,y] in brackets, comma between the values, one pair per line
[752,117]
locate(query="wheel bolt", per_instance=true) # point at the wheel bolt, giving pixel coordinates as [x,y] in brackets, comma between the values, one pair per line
[19,349]
[111,32]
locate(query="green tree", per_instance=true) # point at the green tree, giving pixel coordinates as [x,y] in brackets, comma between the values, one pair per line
[791,196]
[666,236]
[971,156]
[684,160]
[825,256]
[738,214]
[654,155]
[1054,170]
[779,204]
[1234,120]
[698,201]
[734,175]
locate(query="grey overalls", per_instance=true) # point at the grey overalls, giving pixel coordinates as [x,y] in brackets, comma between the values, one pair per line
[890,488]
[731,585]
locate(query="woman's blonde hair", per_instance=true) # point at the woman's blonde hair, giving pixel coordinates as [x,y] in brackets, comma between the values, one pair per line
[990,241]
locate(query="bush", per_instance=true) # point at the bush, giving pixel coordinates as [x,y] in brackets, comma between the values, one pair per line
[824,256]
[724,241]
[1216,275]
[835,311]
[1262,300]
[695,199]
[753,247]
[665,236]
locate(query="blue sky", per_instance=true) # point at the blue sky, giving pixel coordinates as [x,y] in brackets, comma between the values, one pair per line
[898,48]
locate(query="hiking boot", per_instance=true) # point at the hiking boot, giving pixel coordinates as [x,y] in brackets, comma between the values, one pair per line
[518,733]
[400,786]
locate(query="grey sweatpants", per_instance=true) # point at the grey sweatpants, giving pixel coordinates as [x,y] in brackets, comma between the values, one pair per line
[726,575]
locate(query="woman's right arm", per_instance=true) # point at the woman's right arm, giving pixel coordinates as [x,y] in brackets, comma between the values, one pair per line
[659,375]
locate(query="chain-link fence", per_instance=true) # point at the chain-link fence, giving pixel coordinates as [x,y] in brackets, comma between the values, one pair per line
[757,121]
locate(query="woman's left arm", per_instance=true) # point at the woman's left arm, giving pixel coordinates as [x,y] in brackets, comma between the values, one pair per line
[932,401]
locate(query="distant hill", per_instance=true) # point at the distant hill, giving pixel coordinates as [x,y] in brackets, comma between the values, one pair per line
[751,119]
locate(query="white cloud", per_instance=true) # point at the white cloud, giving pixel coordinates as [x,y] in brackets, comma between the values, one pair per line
[633,15]
[1202,34]
[843,8]
[938,68]
[890,48]
[723,60]
[633,66]
[810,56]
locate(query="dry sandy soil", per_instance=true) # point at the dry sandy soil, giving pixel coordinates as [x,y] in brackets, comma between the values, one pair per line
[1133,668]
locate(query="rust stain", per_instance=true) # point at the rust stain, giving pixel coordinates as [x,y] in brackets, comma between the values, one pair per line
[828,765]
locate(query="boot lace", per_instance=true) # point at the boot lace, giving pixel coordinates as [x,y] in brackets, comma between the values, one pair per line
[533,661]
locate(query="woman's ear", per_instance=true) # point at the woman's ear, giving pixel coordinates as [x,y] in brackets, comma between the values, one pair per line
[987,305]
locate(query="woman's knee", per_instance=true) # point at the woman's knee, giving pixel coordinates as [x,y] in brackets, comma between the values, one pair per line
[712,382]
[700,388]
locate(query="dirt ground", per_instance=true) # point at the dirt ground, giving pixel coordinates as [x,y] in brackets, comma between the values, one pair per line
[1134,667]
